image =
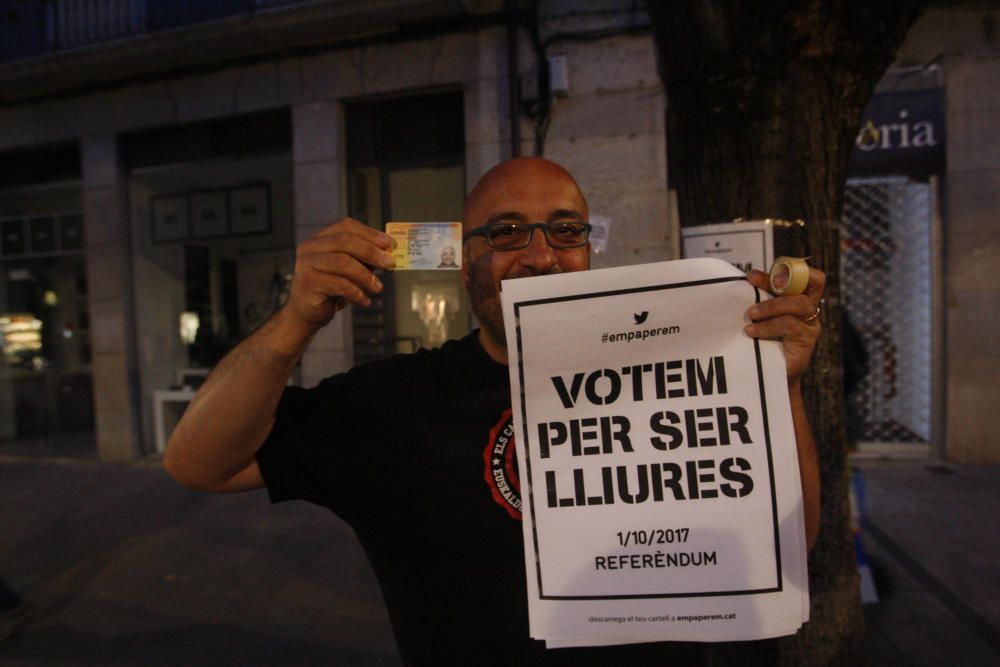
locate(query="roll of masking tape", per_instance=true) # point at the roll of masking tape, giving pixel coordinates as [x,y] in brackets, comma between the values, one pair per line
[789,275]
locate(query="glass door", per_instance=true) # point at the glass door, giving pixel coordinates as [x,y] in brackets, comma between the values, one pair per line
[429,306]
[406,164]
[417,308]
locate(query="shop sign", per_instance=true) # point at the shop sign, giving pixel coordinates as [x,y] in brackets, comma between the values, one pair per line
[901,133]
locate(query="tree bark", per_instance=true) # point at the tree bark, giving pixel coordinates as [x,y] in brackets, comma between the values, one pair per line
[764,103]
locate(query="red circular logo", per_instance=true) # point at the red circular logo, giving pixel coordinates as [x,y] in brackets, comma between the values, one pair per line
[500,470]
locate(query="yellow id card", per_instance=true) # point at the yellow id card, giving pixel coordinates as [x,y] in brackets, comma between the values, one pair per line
[426,245]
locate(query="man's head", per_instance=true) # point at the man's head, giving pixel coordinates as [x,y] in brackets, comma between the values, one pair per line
[526,189]
[448,256]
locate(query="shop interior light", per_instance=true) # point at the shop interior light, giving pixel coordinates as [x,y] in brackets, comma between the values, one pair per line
[189,323]
[11,326]
[20,333]
[22,336]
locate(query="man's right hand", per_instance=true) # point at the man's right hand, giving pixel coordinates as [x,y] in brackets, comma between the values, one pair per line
[214,443]
[336,267]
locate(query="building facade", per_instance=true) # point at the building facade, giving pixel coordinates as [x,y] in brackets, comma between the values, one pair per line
[160,161]
[919,241]
[191,149]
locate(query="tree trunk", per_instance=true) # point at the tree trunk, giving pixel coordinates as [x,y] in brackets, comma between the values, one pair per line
[764,103]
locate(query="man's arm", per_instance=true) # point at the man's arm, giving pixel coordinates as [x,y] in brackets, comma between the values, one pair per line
[792,320]
[213,446]
[808,463]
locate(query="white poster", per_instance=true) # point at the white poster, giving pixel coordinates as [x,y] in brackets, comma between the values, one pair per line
[599,233]
[659,468]
[746,245]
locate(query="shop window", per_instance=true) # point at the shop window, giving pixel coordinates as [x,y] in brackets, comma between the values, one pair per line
[46,392]
[246,135]
[406,163]
[214,246]
[39,165]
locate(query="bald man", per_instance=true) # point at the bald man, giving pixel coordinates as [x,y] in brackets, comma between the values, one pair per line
[416,452]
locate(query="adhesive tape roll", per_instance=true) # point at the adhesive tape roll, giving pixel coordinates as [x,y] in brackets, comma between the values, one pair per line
[789,275]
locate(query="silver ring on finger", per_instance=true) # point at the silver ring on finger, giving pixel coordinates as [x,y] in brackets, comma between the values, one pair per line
[812,317]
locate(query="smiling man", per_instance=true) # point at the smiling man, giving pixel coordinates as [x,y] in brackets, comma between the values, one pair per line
[509,196]
[416,452]
[447,258]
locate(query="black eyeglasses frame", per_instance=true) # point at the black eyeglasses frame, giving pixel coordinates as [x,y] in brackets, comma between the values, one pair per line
[483,230]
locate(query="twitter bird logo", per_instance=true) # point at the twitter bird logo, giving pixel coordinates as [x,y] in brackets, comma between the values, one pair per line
[640,317]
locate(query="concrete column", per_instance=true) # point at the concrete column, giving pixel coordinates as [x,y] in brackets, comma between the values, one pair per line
[972,246]
[487,108]
[109,285]
[320,165]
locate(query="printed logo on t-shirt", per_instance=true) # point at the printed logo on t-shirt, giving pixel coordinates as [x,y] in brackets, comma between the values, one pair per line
[500,470]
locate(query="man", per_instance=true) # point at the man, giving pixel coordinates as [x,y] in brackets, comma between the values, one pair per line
[447,258]
[396,448]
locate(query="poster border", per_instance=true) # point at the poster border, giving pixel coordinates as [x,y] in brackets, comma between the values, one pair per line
[725,232]
[734,232]
[779,586]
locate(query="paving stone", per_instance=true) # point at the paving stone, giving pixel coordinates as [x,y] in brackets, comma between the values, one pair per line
[130,569]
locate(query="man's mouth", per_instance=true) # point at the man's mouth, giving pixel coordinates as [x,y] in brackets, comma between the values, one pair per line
[526,274]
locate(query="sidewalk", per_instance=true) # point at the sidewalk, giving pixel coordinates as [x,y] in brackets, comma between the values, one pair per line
[129,569]
[933,536]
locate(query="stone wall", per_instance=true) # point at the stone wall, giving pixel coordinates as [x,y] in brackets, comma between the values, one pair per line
[972,247]
[965,44]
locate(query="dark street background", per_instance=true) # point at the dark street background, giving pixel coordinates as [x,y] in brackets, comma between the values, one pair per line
[129,569]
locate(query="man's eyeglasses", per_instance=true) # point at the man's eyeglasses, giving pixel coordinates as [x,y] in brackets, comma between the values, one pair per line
[509,235]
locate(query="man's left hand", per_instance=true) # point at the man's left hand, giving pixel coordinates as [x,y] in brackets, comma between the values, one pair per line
[794,320]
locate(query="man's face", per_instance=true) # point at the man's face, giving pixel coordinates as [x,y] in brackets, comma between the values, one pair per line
[448,255]
[528,190]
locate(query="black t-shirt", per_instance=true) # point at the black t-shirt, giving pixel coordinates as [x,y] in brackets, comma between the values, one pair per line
[416,454]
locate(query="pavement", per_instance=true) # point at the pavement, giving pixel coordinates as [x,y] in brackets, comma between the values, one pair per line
[932,534]
[126,568]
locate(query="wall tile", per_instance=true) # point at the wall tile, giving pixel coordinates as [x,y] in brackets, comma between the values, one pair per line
[329,76]
[205,96]
[318,132]
[115,439]
[972,201]
[111,381]
[103,216]
[257,87]
[320,196]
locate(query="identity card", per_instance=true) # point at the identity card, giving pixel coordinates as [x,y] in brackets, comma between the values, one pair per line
[426,245]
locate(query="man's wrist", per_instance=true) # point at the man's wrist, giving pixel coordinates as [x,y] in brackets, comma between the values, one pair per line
[795,386]
[282,340]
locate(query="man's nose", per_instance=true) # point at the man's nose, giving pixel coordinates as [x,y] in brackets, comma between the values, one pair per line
[539,255]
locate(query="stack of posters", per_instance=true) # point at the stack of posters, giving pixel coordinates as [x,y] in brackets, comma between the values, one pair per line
[657,456]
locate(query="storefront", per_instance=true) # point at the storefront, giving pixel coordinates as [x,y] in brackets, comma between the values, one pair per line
[46,390]
[891,282]
[395,177]
[211,209]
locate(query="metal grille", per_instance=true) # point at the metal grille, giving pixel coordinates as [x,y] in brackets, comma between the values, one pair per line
[886,281]
[32,28]
[78,23]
